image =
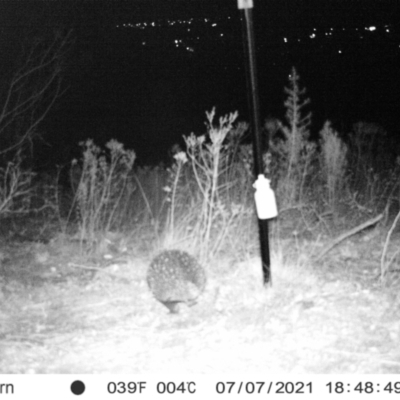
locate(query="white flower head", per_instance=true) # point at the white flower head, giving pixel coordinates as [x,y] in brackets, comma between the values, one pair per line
[181,157]
[114,145]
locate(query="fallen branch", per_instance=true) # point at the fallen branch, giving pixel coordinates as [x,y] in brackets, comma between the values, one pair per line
[351,232]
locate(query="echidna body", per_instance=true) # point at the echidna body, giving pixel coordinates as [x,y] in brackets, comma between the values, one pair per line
[176,277]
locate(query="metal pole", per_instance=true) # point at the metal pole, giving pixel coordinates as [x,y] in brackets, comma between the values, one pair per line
[248,38]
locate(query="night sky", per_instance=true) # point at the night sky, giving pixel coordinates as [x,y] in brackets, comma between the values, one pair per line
[145,72]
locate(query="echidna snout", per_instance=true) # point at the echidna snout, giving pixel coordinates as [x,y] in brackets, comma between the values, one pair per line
[175,277]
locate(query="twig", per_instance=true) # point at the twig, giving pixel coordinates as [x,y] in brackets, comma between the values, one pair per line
[120,278]
[385,268]
[86,267]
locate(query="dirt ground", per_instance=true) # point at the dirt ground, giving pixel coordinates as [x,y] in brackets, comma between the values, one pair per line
[60,314]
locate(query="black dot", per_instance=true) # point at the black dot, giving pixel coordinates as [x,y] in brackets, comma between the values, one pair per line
[77,387]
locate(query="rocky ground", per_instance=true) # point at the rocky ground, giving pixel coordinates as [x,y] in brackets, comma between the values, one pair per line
[63,314]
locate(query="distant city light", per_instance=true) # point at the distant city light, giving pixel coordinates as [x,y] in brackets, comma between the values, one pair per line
[182,29]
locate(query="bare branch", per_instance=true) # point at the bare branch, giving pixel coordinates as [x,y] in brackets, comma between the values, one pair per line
[32,92]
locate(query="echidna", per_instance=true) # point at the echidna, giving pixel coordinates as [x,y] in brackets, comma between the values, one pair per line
[176,277]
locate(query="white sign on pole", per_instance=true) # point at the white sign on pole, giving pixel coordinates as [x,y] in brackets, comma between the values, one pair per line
[245,4]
